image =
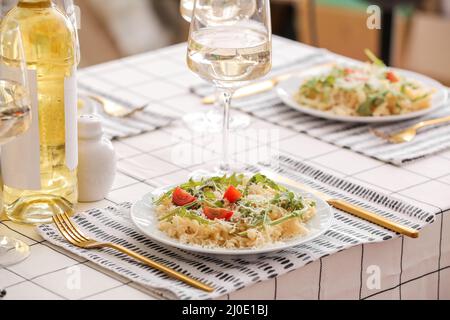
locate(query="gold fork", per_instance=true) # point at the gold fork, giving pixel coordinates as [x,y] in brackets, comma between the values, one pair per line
[410,133]
[73,234]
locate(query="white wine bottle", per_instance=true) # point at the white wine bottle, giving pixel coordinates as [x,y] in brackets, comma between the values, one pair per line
[40,169]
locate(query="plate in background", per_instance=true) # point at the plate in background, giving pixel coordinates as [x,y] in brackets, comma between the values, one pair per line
[287,89]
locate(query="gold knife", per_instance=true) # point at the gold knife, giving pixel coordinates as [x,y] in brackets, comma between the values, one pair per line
[261,86]
[251,89]
[347,207]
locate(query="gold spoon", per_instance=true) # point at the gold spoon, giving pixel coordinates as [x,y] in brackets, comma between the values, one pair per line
[410,133]
[115,109]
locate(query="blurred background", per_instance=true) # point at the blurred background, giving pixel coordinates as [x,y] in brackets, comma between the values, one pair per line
[415,33]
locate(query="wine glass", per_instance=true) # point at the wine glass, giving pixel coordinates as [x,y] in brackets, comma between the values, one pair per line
[15,116]
[186,8]
[218,11]
[207,11]
[229,52]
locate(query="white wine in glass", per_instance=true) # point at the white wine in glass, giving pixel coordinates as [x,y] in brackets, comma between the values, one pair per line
[15,116]
[229,53]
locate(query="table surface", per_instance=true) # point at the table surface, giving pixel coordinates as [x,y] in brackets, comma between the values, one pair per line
[169,155]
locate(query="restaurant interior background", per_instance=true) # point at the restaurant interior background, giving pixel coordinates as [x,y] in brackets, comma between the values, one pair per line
[117,28]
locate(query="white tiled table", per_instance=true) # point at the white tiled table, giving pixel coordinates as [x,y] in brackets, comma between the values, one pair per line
[409,268]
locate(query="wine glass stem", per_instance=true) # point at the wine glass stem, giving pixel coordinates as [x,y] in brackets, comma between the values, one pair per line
[226,95]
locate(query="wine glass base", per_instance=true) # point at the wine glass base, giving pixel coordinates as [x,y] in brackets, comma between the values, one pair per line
[211,122]
[38,209]
[219,170]
[12,251]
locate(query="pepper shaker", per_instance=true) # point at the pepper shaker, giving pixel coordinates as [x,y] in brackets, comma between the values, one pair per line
[97,160]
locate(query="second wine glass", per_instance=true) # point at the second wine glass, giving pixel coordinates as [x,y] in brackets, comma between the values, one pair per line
[207,11]
[230,52]
[15,116]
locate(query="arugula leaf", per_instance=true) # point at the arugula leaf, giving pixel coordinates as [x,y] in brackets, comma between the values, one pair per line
[403,89]
[365,109]
[219,204]
[191,185]
[207,185]
[412,85]
[209,195]
[191,215]
[261,219]
[259,178]
[421,97]
[172,213]
[330,80]
[288,201]
[165,196]
[183,212]
[375,60]
[245,211]
[311,84]
[295,214]
[235,179]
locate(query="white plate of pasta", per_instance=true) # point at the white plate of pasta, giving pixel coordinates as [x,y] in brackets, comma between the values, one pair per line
[238,214]
[362,92]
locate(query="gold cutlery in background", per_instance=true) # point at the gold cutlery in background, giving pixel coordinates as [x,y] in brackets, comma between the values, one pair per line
[112,108]
[73,234]
[252,89]
[263,86]
[410,133]
[347,207]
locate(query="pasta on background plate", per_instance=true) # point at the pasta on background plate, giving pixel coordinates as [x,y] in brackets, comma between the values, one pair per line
[370,90]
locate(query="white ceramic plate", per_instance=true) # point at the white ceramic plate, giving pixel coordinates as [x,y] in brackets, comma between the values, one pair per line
[144,218]
[289,87]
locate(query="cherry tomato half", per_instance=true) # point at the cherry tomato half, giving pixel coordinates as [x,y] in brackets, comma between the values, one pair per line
[391,77]
[232,194]
[217,213]
[181,197]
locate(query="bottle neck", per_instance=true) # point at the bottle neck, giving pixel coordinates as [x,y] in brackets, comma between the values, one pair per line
[34,3]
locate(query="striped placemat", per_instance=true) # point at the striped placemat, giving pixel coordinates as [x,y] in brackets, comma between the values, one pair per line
[229,274]
[357,137]
[119,128]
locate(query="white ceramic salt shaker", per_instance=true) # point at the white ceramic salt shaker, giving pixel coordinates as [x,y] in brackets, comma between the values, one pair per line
[97,160]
